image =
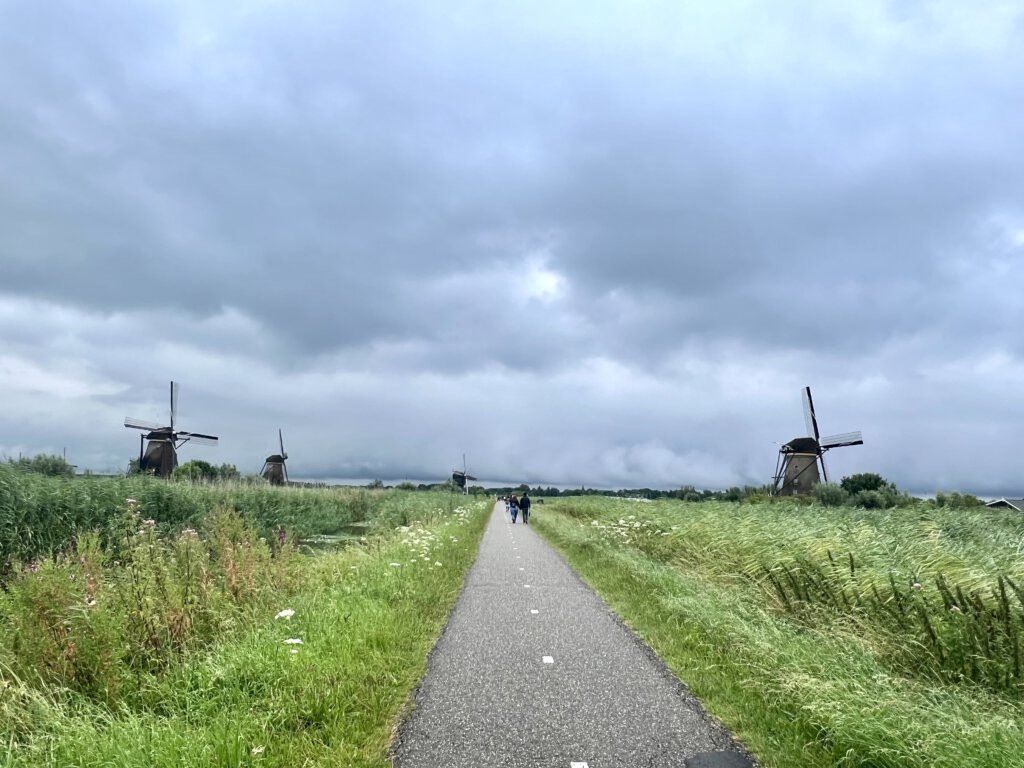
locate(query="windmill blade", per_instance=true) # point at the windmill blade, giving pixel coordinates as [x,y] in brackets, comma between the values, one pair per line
[810,421]
[280,440]
[824,468]
[174,403]
[195,437]
[838,441]
[134,423]
[284,468]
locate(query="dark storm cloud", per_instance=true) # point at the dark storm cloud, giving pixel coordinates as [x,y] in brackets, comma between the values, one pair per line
[446,229]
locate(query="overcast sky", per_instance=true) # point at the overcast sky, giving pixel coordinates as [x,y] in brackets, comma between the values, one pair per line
[601,243]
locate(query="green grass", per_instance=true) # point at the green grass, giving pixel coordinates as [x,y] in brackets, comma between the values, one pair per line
[815,686]
[367,616]
[40,515]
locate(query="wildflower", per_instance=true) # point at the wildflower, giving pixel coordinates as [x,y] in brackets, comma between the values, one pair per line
[955,609]
[258,750]
[395,565]
[293,641]
[189,532]
[438,563]
[294,650]
[916,586]
[130,502]
[91,603]
[287,613]
[149,524]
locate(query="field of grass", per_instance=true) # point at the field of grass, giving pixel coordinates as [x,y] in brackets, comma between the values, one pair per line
[40,515]
[823,637]
[169,645]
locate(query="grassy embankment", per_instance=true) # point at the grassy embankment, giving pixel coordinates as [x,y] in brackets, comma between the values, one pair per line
[823,637]
[159,646]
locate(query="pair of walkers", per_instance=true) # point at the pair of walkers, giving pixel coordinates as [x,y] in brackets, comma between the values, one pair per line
[523,504]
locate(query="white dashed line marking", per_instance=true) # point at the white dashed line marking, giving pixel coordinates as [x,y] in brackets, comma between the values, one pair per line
[578,765]
[534,610]
[548,660]
[522,569]
[526,586]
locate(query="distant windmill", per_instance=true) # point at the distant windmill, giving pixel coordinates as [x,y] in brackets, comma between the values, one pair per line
[161,453]
[796,471]
[460,478]
[274,468]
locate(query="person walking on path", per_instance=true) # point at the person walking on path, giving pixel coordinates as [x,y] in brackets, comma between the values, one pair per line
[514,507]
[524,504]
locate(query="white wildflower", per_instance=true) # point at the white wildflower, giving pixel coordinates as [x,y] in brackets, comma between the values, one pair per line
[395,565]
[287,613]
[293,641]
[258,750]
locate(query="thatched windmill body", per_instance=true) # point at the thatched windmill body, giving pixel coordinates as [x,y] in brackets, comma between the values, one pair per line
[158,445]
[797,468]
[274,468]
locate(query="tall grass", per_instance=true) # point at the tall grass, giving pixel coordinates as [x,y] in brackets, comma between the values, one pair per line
[807,629]
[940,589]
[219,647]
[40,515]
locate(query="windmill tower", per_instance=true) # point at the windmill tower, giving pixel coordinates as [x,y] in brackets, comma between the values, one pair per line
[796,471]
[274,468]
[162,443]
[460,478]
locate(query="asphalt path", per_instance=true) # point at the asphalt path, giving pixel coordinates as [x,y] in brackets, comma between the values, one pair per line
[534,671]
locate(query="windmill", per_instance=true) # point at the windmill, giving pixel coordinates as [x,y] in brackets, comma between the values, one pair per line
[460,478]
[161,453]
[796,471]
[274,468]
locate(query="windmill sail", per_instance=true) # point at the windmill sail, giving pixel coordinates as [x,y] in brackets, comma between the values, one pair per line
[843,439]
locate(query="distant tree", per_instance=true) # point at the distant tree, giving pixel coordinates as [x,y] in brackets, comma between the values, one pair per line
[228,472]
[195,470]
[865,481]
[406,486]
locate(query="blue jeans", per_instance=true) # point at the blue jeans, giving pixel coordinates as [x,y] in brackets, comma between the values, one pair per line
[515,511]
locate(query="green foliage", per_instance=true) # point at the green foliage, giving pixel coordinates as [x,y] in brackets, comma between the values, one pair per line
[870,499]
[40,516]
[956,500]
[830,495]
[94,618]
[859,564]
[811,684]
[202,674]
[865,481]
[44,464]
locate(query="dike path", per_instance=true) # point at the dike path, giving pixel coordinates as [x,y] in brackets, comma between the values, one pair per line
[534,671]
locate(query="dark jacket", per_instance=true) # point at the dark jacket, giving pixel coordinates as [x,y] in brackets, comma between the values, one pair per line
[524,502]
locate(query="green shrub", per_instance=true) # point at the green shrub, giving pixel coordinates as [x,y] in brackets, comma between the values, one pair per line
[830,495]
[870,500]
